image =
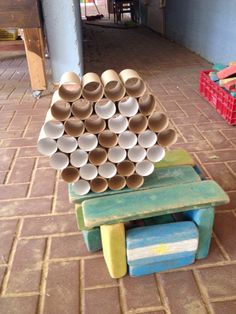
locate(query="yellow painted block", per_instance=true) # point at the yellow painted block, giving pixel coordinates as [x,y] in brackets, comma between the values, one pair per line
[225,81]
[113,244]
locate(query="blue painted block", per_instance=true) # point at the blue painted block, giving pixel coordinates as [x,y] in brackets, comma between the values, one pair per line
[92,239]
[161,266]
[213,76]
[204,219]
[161,243]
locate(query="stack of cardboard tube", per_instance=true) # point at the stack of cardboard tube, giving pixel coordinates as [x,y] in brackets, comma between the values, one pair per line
[104,132]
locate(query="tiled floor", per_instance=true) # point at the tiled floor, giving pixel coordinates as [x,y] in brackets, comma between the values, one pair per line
[44,265]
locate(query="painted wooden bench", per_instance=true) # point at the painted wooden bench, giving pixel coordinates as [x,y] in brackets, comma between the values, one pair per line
[174,187]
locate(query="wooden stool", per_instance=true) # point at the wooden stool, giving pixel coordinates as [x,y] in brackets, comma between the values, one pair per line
[174,187]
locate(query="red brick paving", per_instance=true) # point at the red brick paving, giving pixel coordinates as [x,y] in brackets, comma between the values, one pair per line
[44,264]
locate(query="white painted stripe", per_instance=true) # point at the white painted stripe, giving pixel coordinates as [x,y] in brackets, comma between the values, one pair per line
[162,249]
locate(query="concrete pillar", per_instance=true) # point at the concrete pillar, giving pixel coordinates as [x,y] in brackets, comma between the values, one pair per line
[64,35]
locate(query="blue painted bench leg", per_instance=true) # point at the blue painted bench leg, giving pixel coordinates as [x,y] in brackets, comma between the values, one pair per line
[92,239]
[204,219]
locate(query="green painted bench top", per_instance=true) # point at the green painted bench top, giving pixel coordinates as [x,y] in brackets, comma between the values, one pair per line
[152,202]
[160,177]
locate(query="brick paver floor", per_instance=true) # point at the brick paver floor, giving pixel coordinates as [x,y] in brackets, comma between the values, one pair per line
[44,265]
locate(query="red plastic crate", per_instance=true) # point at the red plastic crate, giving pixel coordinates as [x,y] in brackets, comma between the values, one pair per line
[220,99]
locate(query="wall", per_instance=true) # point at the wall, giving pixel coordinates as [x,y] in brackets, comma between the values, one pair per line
[64,36]
[152,15]
[207,27]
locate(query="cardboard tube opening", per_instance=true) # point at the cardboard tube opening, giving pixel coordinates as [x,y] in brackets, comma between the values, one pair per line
[95,124]
[107,139]
[67,144]
[59,161]
[70,174]
[79,158]
[116,183]
[155,153]
[45,145]
[118,124]
[167,137]
[158,121]
[116,154]
[147,104]
[144,168]
[127,140]
[54,129]
[134,85]
[88,142]
[107,170]
[128,106]
[135,181]
[105,108]
[88,172]
[147,139]
[98,185]
[74,127]
[138,123]
[61,110]
[98,156]
[126,168]
[70,86]
[92,88]
[137,153]
[81,187]
[113,87]
[82,109]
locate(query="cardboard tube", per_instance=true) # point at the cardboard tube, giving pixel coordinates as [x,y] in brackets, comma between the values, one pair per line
[105,108]
[88,142]
[126,168]
[88,172]
[59,161]
[70,86]
[147,139]
[60,108]
[113,87]
[127,140]
[82,109]
[155,153]
[158,121]
[45,145]
[78,158]
[92,88]
[70,174]
[118,124]
[107,139]
[147,104]
[67,144]
[135,181]
[116,183]
[128,106]
[95,124]
[98,156]
[107,170]
[167,137]
[144,168]
[137,153]
[138,123]
[74,127]
[98,185]
[53,128]
[81,187]
[134,85]
[116,154]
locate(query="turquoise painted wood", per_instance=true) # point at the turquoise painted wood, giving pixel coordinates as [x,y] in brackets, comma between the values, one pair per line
[204,219]
[160,177]
[174,158]
[152,202]
[158,220]
[80,218]
[147,269]
[92,239]
[160,243]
